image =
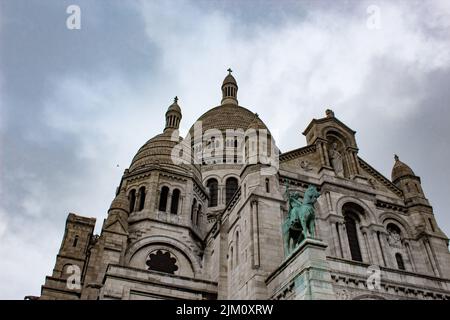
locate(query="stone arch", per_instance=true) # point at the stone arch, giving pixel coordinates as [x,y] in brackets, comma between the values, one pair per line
[345,137]
[229,175]
[212,185]
[356,216]
[389,217]
[231,186]
[131,196]
[337,134]
[180,247]
[368,218]
[175,200]
[404,247]
[163,197]
[212,175]
[131,189]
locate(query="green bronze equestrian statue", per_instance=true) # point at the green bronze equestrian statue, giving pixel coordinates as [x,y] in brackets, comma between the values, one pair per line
[300,223]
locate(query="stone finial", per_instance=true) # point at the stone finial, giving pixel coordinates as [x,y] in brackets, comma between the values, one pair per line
[229,70]
[175,100]
[396,158]
[329,113]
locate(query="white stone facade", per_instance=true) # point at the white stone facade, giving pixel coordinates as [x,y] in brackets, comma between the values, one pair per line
[211,228]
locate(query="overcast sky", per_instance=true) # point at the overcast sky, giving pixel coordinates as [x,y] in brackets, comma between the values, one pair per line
[74,104]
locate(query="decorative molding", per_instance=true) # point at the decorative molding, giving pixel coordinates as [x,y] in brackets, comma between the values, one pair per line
[390,206]
[380,178]
[290,155]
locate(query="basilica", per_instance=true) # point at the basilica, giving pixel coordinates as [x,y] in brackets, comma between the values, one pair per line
[202,217]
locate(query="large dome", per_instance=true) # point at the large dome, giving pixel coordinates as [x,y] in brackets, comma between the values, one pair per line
[228,117]
[156,151]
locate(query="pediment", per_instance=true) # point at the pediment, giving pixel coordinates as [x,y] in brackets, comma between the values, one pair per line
[378,181]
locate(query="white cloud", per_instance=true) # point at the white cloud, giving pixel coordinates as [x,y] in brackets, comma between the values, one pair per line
[304,65]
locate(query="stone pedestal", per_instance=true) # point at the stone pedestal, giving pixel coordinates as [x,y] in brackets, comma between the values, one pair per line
[304,275]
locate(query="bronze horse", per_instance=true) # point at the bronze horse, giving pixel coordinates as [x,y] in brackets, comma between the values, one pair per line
[300,223]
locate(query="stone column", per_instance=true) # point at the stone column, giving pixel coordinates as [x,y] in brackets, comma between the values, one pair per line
[410,256]
[356,162]
[430,256]
[344,241]
[180,206]
[169,201]
[325,154]
[254,223]
[386,251]
[336,241]
[380,253]
[369,249]
[362,243]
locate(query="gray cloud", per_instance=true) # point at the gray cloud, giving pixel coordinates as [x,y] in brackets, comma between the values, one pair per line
[74,104]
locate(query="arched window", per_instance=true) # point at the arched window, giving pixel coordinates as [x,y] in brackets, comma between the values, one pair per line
[141,198]
[194,204]
[175,200]
[352,234]
[132,198]
[75,241]
[163,198]
[394,234]
[267,185]
[352,212]
[400,263]
[212,185]
[162,261]
[231,186]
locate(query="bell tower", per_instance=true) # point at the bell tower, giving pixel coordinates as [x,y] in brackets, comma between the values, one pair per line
[229,89]
[173,116]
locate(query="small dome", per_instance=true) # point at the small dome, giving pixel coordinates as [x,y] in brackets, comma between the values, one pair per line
[174,106]
[229,79]
[156,151]
[400,169]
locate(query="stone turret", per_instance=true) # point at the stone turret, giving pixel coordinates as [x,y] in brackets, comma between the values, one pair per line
[229,89]
[406,180]
[173,116]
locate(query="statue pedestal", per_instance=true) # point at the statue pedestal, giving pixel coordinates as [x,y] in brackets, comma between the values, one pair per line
[304,275]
